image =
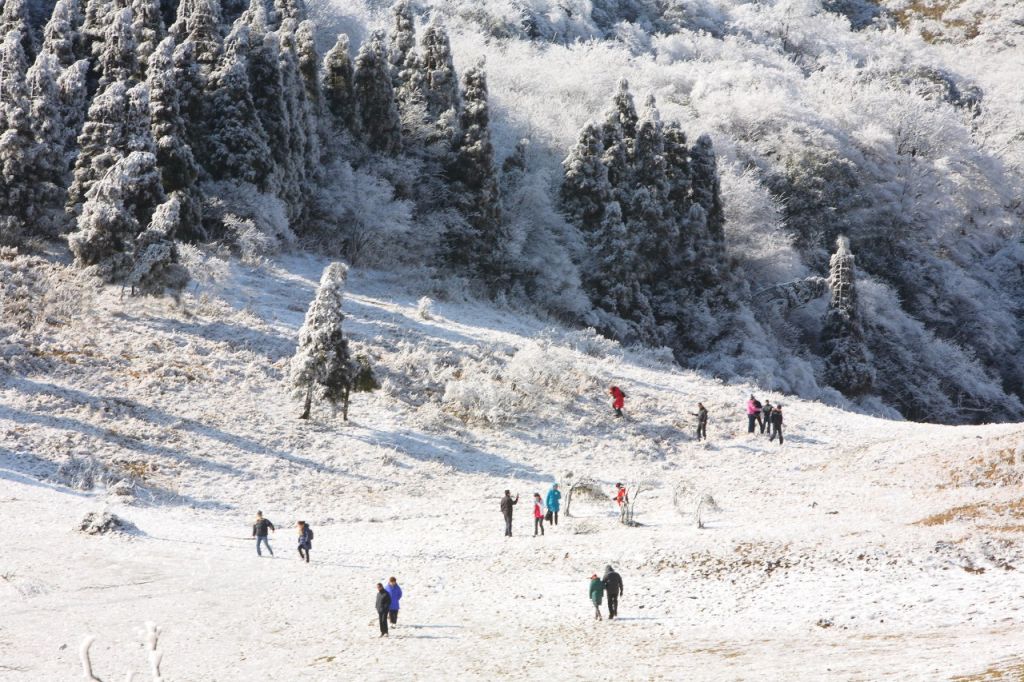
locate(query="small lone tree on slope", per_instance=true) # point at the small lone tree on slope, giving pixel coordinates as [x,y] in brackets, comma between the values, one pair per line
[322,362]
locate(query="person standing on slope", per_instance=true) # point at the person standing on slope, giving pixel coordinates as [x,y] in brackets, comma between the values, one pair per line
[383,605]
[506,510]
[618,400]
[754,414]
[596,592]
[259,531]
[613,586]
[766,413]
[305,540]
[702,421]
[395,592]
[553,503]
[776,419]
[538,515]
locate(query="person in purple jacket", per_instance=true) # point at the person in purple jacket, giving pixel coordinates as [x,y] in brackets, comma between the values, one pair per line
[395,591]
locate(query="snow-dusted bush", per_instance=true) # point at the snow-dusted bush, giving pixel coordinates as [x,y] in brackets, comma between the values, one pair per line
[101,523]
[254,223]
[425,308]
[83,473]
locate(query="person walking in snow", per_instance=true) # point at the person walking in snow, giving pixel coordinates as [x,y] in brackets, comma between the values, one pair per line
[754,414]
[506,510]
[766,413]
[305,540]
[776,420]
[613,586]
[702,421]
[621,498]
[538,515]
[553,503]
[395,592]
[383,605]
[259,531]
[596,592]
[618,400]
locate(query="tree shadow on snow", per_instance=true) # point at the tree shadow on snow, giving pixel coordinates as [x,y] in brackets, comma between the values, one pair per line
[463,457]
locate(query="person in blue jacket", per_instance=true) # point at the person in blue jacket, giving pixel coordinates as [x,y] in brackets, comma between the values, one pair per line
[305,540]
[395,591]
[553,503]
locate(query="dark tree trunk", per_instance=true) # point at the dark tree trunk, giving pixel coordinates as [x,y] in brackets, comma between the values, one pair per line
[344,405]
[309,403]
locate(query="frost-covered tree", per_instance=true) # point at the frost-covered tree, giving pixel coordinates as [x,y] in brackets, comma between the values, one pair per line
[15,17]
[302,153]
[479,247]
[191,84]
[179,170]
[49,171]
[650,219]
[441,84]
[103,136]
[407,74]
[236,147]
[156,267]
[847,365]
[18,150]
[338,84]
[290,9]
[148,26]
[13,66]
[108,225]
[73,84]
[375,97]
[623,112]
[706,187]
[585,188]
[61,35]
[119,59]
[309,66]
[322,363]
[94,25]
[199,22]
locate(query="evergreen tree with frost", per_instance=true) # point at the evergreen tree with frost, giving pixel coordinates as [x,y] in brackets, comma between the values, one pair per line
[677,171]
[49,161]
[199,23]
[231,10]
[156,267]
[649,220]
[191,85]
[309,67]
[236,147]
[623,112]
[375,97]
[322,364]
[267,89]
[479,247]
[847,365]
[15,17]
[61,35]
[338,86]
[407,74]
[441,85]
[99,144]
[616,160]
[585,188]
[119,59]
[108,224]
[148,26]
[179,170]
[290,9]
[18,150]
[73,84]
[706,188]
[13,67]
[302,153]
[94,25]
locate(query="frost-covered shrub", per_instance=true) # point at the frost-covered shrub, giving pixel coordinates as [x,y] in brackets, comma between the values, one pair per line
[84,473]
[101,523]
[254,223]
[425,308]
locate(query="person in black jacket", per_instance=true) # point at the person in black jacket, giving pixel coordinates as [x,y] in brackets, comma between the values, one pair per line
[305,540]
[383,605]
[506,510]
[613,588]
[776,421]
[702,421]
[259,531]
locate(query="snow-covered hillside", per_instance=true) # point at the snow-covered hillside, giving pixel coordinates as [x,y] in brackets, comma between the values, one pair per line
[861,549]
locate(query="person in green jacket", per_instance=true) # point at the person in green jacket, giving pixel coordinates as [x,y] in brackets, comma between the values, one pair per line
[596,593]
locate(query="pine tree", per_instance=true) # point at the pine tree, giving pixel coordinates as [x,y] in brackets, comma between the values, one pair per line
[47,123]
[657,233]
[338,82]
[236,147]
[94,25]
[191,93]
[61,36]
[119,59]
[847,365]
[379,118]
[706,187]
[586,189]
[440,82]
[479,249]
[677,171]
[15,17]
[403,40]
[13,67]
[290,9]
[322,362]
[309,67]
[179,170]
[148,26]
[18,207]
[108,226]
[156,267]
[200,23]
[303,152]
[623,112]
[268,96]
[73,84]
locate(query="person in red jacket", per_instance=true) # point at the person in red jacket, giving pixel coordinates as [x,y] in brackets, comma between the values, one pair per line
[618,400]
[538,514]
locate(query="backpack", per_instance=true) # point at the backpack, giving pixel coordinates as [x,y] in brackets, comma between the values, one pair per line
[757,404]
[309,532]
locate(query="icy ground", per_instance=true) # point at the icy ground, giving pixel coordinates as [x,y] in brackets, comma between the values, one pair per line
[862,549]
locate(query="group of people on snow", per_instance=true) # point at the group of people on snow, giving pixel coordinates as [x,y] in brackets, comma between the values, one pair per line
[552,504]
[387,604]
[763,416]
[610,585]
[262,528]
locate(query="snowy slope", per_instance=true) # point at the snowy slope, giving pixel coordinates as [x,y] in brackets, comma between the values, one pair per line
[862,549]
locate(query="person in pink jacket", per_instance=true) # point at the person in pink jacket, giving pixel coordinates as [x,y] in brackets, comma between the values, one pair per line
[538,514]
[754,414]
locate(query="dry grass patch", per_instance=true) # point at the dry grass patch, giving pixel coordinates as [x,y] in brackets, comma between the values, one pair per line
[973,512]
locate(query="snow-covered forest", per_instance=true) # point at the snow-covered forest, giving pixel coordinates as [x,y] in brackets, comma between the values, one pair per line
[821,197]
